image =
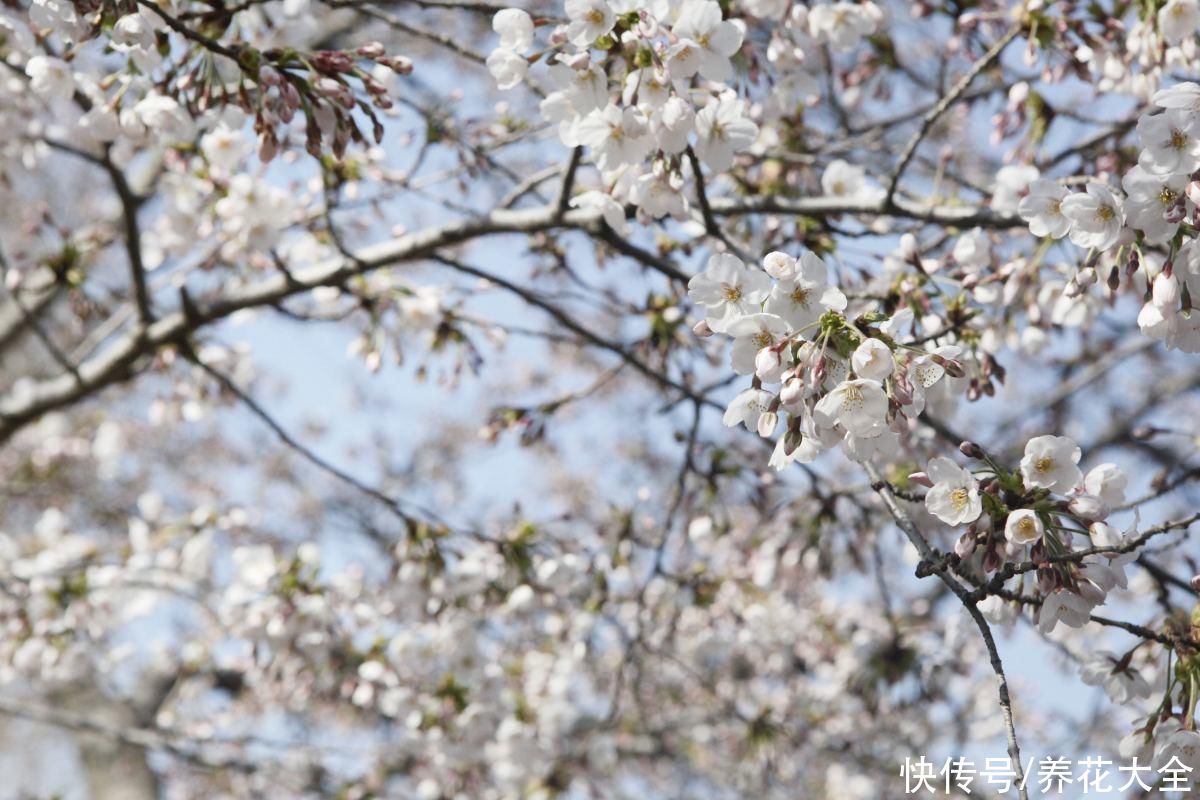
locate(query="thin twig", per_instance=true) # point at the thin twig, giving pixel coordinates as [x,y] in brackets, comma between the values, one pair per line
[935,113]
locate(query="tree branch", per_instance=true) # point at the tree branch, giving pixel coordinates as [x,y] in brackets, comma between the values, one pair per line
[942,106]
[902,520]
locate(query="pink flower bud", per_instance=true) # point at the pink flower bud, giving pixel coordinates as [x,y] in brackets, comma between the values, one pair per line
[268,76]
[992,560]
[291,102]
[268,148]
[921,479]
[792,393]
[971,450]
[953,367]
[780,265]
[398,64]
[702,329]
[767,364]
[337,92]
[333,61]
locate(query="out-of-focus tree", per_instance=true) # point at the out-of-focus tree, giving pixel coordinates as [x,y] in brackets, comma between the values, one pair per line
[731,385]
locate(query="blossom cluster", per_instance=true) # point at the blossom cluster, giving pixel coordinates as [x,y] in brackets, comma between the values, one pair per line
[166,95]
[1038,508]
[1154,210]
[840,381]
[639,82]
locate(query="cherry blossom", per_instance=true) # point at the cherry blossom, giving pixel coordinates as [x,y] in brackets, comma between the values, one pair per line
[1106,482]
[1063,606]
[706,41]
[752,333]
[1050,462]
[1013,184]
[954,497]
[1096,217]
[1042,209]
[515,28]
[722,131]
[1023,527]
[590,19]
[747,408]
[50,78]
[842,179]
[856,405]
[1150,200]
[1169,141]
[507,67]
[617,137]
[1173,740]
[1178,19]
[804,297]
[1122,682]
[872,360]
[843,24]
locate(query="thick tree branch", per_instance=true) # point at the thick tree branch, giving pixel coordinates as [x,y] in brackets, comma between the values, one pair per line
[117,362]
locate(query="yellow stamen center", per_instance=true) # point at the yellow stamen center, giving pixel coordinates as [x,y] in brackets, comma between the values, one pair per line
[853,398]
